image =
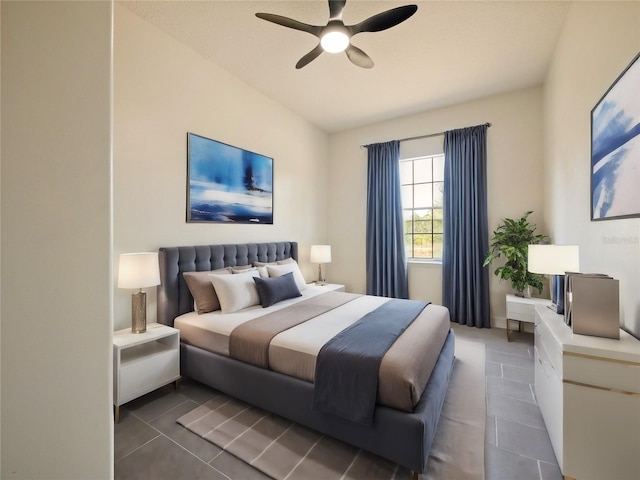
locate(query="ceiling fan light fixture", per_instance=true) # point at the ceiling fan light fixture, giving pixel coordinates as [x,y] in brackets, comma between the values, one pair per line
[334,41]
[335,37]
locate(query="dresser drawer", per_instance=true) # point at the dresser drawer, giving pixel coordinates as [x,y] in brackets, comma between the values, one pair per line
[548,347]
[602,373]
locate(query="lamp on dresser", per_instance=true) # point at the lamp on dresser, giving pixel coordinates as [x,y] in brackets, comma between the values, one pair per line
[554,260]
[138,270]
[320,254]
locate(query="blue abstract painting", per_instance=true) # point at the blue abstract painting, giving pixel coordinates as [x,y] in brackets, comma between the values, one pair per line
[227,183]
[615,148]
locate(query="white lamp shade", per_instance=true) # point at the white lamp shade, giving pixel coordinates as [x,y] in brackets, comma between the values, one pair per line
[138,270]
[320,254]
[553,259]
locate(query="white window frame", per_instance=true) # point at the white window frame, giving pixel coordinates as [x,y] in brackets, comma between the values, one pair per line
[410,251]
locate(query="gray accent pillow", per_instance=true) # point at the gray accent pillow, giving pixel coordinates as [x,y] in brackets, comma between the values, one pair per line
[202,290]
[275,289]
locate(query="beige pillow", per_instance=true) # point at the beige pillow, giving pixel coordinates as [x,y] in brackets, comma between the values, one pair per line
[279,262]
[279,270]
[236,292]
[202,291]
[242,268]
[262,266]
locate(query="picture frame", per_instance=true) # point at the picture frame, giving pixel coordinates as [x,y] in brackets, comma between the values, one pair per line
[227,184]
[615,148]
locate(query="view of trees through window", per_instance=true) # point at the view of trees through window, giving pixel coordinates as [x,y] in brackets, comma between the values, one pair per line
[422,184]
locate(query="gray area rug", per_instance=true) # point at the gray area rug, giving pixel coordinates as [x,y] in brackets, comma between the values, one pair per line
[287,451]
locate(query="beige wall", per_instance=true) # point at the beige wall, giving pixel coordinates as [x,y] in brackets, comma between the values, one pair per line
[598,41]
[56,240]
[164,90]
[514,181]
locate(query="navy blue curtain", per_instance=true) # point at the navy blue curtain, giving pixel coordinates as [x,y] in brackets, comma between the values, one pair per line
[386,258]
[465,283]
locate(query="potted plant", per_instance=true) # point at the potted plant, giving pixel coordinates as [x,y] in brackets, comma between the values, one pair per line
[510,240]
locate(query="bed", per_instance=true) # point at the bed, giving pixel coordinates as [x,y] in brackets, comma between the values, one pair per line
[399,433]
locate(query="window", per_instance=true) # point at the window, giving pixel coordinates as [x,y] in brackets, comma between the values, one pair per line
[422,186]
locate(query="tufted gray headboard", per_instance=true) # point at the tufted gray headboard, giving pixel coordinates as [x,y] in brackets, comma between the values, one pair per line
[174,297]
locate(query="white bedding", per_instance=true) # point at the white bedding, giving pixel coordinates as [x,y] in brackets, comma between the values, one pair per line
[294,351]
[210,331]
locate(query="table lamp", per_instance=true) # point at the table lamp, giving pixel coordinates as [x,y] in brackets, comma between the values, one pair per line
[320,254]
[138,270]
[554,260]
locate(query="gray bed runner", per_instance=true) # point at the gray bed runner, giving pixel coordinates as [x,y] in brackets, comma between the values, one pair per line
[250,341]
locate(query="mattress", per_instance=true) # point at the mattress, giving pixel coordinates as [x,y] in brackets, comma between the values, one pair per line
[405,368]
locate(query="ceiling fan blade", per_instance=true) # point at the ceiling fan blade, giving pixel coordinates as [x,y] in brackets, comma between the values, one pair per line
[309,57]
[358,57]
[384,20]
[291,23]
[335,9]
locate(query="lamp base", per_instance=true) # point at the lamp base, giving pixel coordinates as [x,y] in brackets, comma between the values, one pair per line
[557,294]
[320,280]
[139,312]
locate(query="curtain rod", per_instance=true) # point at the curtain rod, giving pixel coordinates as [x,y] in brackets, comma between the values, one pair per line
[423,136]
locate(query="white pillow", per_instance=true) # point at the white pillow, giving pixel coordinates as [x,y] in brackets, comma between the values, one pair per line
[279,270]
[236,292]
[262,266]
[262,270]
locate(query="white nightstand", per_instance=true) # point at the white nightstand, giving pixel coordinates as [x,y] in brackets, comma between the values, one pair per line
[330,287]
[143,362]
[520,309]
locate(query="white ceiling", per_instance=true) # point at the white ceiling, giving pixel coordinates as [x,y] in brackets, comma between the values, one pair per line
[448,52]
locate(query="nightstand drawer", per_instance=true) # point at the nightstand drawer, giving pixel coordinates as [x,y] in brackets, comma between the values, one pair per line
[155,371]
[517,307]
[520,311]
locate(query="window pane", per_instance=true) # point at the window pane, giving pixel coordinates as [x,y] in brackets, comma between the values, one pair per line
[422,226]
[438,168]
[422,246]
[438,193]
[405,172]
[422,196]
[407,219]
[437,220]
[422,214]
[437,246]
[422,170]
[408,245]
[407,196]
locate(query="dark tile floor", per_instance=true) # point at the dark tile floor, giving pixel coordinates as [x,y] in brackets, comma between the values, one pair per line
[150,445]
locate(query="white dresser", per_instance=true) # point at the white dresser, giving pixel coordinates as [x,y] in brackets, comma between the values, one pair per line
[588,389]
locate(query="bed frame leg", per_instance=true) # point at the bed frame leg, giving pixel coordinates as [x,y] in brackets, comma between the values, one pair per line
[415,475]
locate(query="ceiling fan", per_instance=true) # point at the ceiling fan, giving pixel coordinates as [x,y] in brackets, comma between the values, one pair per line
[335,36]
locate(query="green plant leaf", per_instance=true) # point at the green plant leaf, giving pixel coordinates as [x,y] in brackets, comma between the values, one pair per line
[510,241]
